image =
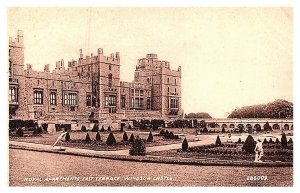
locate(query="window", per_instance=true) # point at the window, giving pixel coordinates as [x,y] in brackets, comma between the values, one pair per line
[38,97]
[13,94]
[148,103]
[109,67]
[175,90]
[110,100]
[123,101]
[70,99]
[109,79]
[168,80]
[173,103]
[168,90]
[52,98]
[10,69]
[175,81]
[139,102]
[88,100]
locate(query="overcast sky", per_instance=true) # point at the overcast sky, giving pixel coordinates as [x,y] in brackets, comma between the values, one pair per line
[229,57]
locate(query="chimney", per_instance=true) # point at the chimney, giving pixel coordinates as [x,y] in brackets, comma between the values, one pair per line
[81,55]
[46,68]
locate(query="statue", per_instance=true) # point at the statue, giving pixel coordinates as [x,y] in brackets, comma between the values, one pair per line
[259,152]
[60,139]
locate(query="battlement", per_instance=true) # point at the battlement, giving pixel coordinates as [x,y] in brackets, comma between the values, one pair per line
[18,41]
[151,62]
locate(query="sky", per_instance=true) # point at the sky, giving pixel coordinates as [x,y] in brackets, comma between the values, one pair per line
[230,57]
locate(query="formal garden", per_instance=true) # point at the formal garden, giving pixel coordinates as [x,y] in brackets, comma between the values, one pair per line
[275,151]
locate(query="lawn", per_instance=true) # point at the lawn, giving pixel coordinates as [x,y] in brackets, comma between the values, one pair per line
[78,137]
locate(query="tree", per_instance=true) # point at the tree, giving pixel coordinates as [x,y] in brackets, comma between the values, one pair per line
[202,124]
[138,147]
[111,140]
[290,141]
[98,137]
[185,145]
[239,140]
[223,130]
[87,138]
[277,141]
[249,145]
[109,129]
[218,141]
[68,137]
[19,132]
[102,129]
[129,126]
[125,136]
[205,130]
[95,128]
[150,137]
[283,140]
[131,138]
[83,128]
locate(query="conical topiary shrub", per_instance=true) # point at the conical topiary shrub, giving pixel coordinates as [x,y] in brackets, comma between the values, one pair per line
[162,132]
[109,129]
[265,141]
[138,147]
[218,141]
[290,141]
[150,137]
[68,137]
[270,140]
[111,140]
[87,138]
[131,138]
[277,141]
[95,128]
[98,137]
[102,129]
[125,136]
[239,140]
[249,145]
[185,145]
[83,128]
[283,140]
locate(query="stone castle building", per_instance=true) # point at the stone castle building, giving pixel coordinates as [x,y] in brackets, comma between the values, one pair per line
[90,88]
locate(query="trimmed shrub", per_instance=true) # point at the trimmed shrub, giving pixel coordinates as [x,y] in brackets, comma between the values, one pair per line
[102,129]
[19,132]
[95,128]
[267,126]
[218,141]
[129,126]
[111,140]
[205,130]
[290,141]
[270,140]
[150,137]
[122,128]
[283,140]
[162,132]
[131,138]
[98,137]
[37,131]
[87,138]
[68,137]
[83,128]
[109,129]
[239,140]
[277,141]
[223,130]
[249,145]
[185,145]
[125,136]
[265,141]
[138,147]
[171,135]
